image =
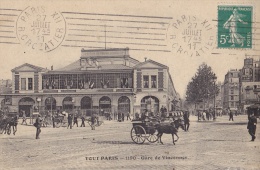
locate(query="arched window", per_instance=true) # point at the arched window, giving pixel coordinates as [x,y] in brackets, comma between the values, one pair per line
[124,104]
[151,104]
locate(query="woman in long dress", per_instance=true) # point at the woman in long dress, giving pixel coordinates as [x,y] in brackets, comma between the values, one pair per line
[231,24]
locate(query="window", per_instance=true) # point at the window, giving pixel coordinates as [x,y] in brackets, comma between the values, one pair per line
[146,81]
[30,84]
[231,91]
[153,81]
[23,83]
[232,97]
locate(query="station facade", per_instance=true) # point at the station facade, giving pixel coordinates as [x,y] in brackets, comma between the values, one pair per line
[100,81]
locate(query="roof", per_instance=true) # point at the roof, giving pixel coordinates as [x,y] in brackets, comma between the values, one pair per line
[71,67]
[151,65]
[75,66]
[26,65]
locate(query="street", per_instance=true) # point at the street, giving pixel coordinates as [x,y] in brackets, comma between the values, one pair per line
[208,145]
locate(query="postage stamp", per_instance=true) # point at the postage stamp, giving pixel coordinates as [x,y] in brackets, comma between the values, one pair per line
[40,29]
[235,26]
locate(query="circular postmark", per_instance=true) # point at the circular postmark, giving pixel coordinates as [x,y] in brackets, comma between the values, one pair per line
[190,36]
[40,29]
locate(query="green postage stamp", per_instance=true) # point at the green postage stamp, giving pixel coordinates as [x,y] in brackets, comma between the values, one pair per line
[235,26]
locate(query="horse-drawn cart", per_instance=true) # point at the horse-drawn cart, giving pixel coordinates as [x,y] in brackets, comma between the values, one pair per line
[152,129]
[143,130]
[59,120]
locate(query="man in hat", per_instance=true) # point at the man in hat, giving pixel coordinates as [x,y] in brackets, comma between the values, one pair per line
[251,126]
[38,125]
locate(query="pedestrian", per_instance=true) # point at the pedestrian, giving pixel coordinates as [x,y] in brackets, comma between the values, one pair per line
[230,114]
[69,121]
[119,117]
[128,116]
[251,126]
[186,121]
[38,125]
[82,121]
[123,116]
[203,115]
[110,116]
[53,120]
[93,121]
[24,117]
[137,116]
[75,120]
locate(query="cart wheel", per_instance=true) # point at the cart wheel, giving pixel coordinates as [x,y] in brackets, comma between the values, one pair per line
[57,123]
[153,136]
[138,134]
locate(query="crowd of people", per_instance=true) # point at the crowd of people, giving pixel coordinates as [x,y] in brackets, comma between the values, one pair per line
[72,119]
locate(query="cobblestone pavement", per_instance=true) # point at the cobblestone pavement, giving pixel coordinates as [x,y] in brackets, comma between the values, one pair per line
[208,145]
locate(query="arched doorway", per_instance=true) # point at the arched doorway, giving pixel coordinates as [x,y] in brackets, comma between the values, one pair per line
[150,103]
[86,105]
[68,103]
[124,104]
[50,103]
[105,105]
[26,105]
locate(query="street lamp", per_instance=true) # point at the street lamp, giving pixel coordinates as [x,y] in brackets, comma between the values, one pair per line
[214,78]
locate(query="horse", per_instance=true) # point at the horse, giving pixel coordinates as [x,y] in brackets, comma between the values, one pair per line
[171,128]
[11,122]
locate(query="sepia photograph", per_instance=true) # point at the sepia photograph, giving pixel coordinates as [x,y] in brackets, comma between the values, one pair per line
[130,85]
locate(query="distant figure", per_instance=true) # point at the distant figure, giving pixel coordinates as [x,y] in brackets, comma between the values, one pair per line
[251,126]
[119,117]
[123,116]
[93,121]
[75,120]
[82,121]
[128,116]
[69,121]
[231,117]
[24,118]
[186,121]
[137,116]
[38,125]
[53,120]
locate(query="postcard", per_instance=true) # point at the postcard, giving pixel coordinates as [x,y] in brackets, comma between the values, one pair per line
[134,84]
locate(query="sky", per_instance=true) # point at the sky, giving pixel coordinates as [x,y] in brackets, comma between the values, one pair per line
[151,29]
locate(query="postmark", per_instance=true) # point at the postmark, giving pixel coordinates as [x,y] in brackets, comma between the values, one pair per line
[40,29]
[190,35]
[235,26]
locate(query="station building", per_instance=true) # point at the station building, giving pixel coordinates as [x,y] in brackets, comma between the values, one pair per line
[100,81]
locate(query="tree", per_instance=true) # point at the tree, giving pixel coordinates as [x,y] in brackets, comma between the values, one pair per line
[202,86]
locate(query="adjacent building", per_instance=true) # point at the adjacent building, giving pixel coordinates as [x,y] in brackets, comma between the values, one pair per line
[249,83]
[100,81]
[231,90]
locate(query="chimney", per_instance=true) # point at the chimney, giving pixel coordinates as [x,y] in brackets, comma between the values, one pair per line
[52,67]
[145,58]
